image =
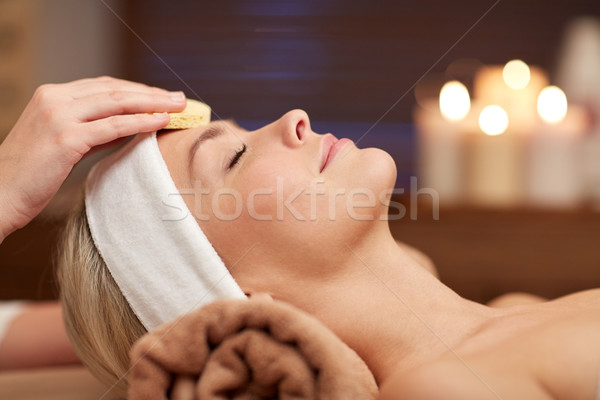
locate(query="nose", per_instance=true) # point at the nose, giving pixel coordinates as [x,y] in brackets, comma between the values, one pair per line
[294,127]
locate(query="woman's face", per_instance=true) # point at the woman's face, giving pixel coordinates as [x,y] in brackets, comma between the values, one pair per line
[281,202]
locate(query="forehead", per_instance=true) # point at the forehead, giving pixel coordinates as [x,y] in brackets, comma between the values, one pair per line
[175,141]
[177,146]
[173,146]
[193,138]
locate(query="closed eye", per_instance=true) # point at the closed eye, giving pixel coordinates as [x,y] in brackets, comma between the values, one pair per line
[234,160]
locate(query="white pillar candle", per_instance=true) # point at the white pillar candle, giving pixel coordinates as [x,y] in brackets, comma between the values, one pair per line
[592,166]
[556,176]
[520,104]
[578,73]
[440,152]
[494,165]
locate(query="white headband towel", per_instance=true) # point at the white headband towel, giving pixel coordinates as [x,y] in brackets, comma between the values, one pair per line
[165,266]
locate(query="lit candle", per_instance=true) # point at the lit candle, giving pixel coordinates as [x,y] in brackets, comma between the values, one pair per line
[577,72]
[556,159]
[514,87]
[516,74]
[440,153]
[494,160]
[455,102]
[440,127]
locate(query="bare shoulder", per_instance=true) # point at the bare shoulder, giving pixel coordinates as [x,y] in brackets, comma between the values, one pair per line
[569,348]
[587,299]
[457,377]
[557,356]
[556,344]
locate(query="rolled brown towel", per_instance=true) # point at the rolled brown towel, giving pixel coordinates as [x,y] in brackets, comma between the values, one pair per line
[247,349]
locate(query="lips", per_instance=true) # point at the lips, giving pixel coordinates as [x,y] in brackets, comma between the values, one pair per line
[331,147]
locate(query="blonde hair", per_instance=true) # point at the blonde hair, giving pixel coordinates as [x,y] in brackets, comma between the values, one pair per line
[100,324]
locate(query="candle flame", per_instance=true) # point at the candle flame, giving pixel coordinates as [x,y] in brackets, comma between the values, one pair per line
[493,120]
[552,104]
[455,102]
[516,74]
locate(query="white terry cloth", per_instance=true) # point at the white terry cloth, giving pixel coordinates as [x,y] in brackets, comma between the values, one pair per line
[160,259]
[9,310]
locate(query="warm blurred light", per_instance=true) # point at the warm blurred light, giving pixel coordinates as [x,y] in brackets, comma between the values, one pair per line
[516,74]
[463,70]
[454,101]
[552,104]
[427,91]
[493,120]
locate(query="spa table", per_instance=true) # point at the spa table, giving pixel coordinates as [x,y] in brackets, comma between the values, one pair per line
[481,253]
[64,383]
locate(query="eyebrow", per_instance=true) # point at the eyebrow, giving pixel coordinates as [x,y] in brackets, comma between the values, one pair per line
[217,129]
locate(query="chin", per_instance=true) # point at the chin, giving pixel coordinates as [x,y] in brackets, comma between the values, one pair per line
[376,168]
[372,169]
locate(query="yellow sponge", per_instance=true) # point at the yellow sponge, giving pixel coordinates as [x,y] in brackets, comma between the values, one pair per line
[195,114]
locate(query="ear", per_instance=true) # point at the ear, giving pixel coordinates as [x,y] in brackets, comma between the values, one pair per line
[259,296]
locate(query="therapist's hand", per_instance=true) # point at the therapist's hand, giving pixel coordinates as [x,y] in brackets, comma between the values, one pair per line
[62,123]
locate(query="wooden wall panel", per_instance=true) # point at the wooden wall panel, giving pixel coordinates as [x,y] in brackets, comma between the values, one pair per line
[480,253]
[483,253]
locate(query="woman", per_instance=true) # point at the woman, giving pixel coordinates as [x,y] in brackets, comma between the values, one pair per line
[419,338]
[408,327]
[251,195]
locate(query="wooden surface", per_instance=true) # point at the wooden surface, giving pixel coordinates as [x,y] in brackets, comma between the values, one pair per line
[59,383]
[479,253]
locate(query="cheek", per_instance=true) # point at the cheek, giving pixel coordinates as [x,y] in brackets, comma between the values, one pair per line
[251,207]
[275,188]
[293,194]
[273,207]
[231,238]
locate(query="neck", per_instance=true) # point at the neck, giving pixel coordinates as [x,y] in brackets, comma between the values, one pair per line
[393,312]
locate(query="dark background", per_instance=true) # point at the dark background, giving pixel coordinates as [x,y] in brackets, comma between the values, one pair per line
[353,66]
[337,59]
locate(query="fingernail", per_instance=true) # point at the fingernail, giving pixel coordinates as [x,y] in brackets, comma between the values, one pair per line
[161,115]
[177,97]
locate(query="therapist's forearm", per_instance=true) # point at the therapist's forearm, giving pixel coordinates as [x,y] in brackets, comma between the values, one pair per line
[37,338]
[5,229]
[6,214]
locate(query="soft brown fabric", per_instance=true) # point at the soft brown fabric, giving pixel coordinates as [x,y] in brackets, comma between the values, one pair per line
[254,349]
